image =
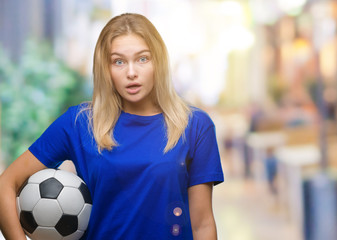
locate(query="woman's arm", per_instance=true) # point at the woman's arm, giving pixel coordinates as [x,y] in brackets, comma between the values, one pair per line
[201,212]
[10,182]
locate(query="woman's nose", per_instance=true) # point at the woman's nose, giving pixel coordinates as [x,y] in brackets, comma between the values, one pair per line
[131,74]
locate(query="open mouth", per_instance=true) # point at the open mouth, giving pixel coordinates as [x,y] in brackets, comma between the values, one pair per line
[133,88]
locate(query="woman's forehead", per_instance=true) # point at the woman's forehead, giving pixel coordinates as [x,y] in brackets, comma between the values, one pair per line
[128,44]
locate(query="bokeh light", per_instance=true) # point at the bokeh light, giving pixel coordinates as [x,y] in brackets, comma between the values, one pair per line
[177,211]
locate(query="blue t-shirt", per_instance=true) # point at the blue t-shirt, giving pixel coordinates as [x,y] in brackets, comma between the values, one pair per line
[138,192]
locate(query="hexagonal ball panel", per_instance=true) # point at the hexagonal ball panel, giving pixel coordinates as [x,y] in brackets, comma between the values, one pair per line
[42,175]
[47,212]
[68,179]
[49,233]
[50,188]
[71,201]
[67,225]
[83,217]
[29,197]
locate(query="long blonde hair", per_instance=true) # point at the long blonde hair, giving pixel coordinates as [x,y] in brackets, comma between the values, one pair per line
[106,105]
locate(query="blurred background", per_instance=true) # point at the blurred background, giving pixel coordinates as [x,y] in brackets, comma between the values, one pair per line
[265,70]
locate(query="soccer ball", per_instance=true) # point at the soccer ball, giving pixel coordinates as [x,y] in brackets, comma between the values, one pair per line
[54,205]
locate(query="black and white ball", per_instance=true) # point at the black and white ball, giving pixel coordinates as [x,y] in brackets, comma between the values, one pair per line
[54,205]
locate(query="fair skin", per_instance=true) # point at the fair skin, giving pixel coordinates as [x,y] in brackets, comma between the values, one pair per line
[131,71]
[201,212]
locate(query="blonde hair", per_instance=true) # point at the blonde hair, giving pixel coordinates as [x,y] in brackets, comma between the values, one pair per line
[106,105]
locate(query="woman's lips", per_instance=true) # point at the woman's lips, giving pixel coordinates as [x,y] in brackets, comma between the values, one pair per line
[133,88]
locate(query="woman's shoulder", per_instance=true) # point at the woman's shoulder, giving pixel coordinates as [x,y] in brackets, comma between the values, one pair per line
[84,106]
[200,125]
[200,116]
[81,111]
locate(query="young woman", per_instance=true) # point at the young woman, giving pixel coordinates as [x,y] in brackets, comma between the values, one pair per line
[149,159]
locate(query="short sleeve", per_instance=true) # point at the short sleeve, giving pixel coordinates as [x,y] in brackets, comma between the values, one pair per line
[205,164]
[53,146]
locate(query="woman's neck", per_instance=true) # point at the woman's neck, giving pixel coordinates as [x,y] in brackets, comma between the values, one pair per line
[142,111]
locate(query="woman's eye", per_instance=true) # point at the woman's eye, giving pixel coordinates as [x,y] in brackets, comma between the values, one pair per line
[143,59]
[118,62]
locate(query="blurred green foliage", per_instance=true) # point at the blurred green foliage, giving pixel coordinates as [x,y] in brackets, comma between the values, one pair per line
[33,93]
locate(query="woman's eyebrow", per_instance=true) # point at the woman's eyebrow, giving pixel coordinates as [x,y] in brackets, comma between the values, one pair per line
[137,53]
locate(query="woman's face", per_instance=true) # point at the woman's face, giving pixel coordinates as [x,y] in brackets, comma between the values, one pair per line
[132,73]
